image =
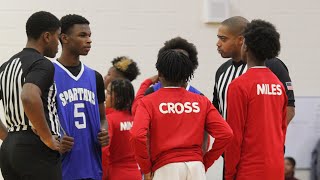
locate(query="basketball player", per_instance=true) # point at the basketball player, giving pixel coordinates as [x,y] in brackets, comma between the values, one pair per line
[122,164]
[80,92]
[175,43]
[122,68]
[257,110]
[146,88]
[175,120]
[179,43]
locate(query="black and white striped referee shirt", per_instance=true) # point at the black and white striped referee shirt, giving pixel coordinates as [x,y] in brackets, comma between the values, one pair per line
[28,66]
[231,70]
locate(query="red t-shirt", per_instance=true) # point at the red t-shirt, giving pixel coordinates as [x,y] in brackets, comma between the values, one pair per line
[119,152]
[176,120]
[256,113]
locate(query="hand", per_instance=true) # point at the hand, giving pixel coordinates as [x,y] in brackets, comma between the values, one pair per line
[66,144]
[103,137]
[154,79]
[148,176]
[53,143]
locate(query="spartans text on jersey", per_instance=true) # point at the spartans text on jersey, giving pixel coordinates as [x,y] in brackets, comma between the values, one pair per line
[76,94]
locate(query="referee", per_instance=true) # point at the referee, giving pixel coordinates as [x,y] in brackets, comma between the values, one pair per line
[27,91]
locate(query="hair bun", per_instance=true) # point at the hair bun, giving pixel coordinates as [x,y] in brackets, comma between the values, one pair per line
[123,64]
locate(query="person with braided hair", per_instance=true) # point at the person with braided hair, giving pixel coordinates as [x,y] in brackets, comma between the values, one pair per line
[122,68]
[119,154]
[152,84]
[190,50]
[169,124]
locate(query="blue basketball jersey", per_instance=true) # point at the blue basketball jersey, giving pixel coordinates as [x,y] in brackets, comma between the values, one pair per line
[78,111]
[189,88]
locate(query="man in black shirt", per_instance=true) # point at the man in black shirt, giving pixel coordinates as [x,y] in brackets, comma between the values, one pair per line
[84,121]
[27,91]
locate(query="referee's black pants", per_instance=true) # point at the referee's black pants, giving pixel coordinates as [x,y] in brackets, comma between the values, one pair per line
[25,157]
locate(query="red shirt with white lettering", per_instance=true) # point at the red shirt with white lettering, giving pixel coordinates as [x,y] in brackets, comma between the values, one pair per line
[120,156]
[175,120]
[256,113]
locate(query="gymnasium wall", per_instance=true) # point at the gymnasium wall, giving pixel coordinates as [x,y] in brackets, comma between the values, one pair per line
[139,28]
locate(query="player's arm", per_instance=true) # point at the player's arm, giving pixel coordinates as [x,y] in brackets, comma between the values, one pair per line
[147,89]
[281,71]
[39,78]
[103,136]
[150,90]
[236,116]
[141,92]
[217,127]
[139,140]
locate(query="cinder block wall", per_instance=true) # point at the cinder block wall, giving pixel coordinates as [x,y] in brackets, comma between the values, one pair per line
[139,28]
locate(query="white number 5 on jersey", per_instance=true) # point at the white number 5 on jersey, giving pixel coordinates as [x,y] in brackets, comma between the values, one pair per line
[78,114]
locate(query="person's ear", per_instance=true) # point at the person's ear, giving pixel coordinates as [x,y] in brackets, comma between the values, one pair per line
[245,47]
[240,40]
[46,36]
[64,38]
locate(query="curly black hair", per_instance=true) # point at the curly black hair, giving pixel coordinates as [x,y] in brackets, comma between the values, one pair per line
[175,66]
[123,93]
[180,43]
[262,39]
[69,20]
[130,71]
[40,22]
